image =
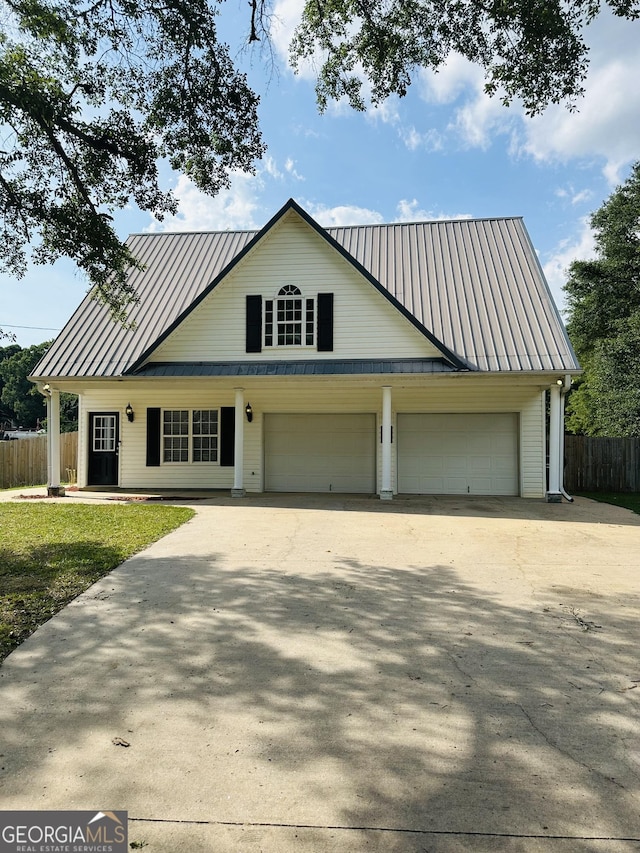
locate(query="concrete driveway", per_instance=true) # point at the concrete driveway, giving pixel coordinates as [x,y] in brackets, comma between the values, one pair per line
[311,674]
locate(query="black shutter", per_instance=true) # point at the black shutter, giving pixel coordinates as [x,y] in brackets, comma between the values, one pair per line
[254,324]
[325,322]
[153,437]
[227,436]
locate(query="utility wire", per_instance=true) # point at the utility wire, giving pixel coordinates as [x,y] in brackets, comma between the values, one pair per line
[39,328]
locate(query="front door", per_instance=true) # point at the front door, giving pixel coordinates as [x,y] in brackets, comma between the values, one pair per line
[104,437]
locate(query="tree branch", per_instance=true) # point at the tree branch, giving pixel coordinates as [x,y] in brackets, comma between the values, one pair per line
[69,164]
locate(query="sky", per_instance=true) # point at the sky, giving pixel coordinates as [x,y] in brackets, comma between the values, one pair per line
[444,151]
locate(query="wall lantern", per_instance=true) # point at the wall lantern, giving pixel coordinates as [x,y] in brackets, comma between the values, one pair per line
[129,413]
[249,412]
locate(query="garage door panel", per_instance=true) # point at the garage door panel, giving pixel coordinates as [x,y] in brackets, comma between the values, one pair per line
[479,444]
[480,465]
[320,453]
[458,454]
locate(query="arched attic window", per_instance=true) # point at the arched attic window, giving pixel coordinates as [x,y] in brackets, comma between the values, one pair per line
[289,319]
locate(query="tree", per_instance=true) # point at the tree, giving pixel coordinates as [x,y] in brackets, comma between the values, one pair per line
[7,415]
[20,395]
[23,398]
[604,319]
[92,95]
[529,49]
[68,412]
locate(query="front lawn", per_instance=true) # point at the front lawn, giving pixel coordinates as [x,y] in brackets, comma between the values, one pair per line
[629,500]
[50,553]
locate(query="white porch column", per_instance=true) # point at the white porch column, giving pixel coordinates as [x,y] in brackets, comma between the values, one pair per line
[386,492]
[556,422]
[53,442]
[238,466]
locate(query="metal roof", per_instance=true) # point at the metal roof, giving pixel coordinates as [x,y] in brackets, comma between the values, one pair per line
[475,285]
[328,367]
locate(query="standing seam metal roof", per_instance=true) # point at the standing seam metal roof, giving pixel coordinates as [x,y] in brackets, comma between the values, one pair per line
[475,284]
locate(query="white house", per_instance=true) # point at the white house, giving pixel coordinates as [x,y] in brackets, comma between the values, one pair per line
[405,358]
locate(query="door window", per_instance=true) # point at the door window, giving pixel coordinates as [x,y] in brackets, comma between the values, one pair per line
[104,433]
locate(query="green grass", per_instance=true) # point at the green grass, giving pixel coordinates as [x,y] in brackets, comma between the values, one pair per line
[629,500]
[50,553]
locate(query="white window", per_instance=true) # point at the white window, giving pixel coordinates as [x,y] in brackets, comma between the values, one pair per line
[104,433]
[190,435]
[205,435]
[289,319]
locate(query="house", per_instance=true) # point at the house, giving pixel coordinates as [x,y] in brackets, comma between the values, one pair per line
[412,358]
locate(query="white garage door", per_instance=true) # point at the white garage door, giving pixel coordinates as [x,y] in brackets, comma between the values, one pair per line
[458,454]
[320,453]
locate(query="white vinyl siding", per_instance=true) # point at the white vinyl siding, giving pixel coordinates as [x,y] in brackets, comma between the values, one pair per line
[366,325]
[320,453]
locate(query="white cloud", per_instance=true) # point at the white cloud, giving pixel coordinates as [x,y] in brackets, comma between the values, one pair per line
[574,196]
[477,118]
[414,140]
[290,168]
[409,211]
[387,112]
[578,248]
[285,18]
[342,215]
[237,208]
[455,78]
[270,166]
[231,209]
[606,124]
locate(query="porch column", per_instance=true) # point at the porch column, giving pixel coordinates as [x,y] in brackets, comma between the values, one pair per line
[238,440]
[556,423]
[53,442]
[386,493]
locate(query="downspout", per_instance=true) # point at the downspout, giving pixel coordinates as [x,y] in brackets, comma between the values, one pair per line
[566,387]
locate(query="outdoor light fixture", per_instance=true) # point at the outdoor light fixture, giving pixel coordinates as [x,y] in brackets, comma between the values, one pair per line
[559,382]
[249,412]
[129,413]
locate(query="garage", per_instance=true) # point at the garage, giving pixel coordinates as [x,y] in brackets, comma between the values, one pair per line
[320,453]
[456,454]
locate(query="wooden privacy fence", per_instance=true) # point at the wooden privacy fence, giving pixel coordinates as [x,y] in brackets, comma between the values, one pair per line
[24,462]
[601,464]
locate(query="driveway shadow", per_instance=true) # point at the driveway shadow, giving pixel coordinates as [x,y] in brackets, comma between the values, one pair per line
[404,702]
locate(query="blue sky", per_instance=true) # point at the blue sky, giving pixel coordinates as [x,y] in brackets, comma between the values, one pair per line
[444,151]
